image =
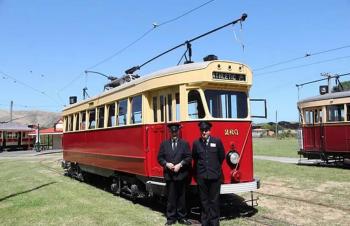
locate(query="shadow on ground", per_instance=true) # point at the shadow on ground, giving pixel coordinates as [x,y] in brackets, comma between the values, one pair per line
[231,206]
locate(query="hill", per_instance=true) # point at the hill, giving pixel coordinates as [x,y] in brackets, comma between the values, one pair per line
[44,118]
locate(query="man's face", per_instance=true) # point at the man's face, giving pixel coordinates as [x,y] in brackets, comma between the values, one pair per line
[205,133]
[174,134]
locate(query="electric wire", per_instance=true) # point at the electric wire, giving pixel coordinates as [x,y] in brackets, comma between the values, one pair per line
[146,33]
[299,58]
[300,66]
[15,80]
[118,52]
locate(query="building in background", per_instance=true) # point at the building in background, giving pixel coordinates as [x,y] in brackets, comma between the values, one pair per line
[50,138]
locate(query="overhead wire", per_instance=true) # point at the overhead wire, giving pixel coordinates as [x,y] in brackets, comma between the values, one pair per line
[299,58]
[303,65]
[155,25]
[118,52]
[15,80]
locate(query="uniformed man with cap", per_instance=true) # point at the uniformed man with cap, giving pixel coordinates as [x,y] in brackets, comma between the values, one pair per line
[175,157]
[208,154]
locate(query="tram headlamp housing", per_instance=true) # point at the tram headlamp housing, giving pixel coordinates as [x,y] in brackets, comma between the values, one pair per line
[232,158]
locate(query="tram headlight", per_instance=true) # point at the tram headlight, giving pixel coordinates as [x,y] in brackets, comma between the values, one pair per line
[232,157]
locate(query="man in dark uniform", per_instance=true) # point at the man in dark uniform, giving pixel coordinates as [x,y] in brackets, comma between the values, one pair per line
[208,154]
[175,157]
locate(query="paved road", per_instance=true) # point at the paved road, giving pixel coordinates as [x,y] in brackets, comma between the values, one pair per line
[27,153]
[287,159]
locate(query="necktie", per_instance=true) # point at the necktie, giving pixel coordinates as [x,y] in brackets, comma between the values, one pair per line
[174,145]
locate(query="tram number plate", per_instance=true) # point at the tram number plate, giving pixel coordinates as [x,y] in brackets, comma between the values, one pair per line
[228,76]
[231,132]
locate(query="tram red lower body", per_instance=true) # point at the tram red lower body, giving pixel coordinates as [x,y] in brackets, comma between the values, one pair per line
[134,149]
[327,139]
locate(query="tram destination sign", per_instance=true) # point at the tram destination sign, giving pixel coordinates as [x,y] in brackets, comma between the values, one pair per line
[228,76]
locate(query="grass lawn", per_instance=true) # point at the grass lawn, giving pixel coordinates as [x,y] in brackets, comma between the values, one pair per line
[33,191]
[276,147]
[33,194]
[303,195]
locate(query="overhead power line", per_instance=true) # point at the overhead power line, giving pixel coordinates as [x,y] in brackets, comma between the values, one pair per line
[118,52]
[155,25]
[303,65]
[299,58]
[15,80]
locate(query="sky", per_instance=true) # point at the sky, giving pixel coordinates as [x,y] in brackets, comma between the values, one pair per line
[45,46]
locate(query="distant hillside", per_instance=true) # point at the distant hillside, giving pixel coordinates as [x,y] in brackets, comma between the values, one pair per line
[44,118]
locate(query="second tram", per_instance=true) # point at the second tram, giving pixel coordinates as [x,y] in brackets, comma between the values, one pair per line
[325,126]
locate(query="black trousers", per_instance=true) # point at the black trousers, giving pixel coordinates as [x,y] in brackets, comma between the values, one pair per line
[209,192]
[176,205]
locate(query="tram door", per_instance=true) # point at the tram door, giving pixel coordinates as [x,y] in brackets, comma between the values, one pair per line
[318,129]
[19,137]
[164,108]
[313,130]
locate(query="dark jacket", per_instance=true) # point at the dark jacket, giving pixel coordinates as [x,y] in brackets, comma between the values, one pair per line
[182,154]
[208,158]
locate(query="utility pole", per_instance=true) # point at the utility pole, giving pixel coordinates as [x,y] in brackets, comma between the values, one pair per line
[276,125]
[11,111]
[328,77]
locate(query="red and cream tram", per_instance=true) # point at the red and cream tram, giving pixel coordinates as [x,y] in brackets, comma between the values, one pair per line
[14,136]
[325,122]
[118,133]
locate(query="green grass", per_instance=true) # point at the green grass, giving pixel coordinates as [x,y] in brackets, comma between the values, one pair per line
[30,194]
[33,191]
[276,147]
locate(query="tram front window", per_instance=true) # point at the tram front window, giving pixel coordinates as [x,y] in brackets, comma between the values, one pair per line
[227,104]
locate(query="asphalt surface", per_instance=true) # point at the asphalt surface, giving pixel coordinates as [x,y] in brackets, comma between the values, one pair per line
[287,160]
[27,153]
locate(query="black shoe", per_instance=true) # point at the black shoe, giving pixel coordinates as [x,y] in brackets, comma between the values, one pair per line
[185,222]
[170,222]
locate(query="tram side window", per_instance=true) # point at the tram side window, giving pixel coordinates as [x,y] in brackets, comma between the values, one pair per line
[111,115]
[170,106]
[195,105]
[83,120]
[227,104]
[309,116]
[101,117]
[348,112]
[66,123]
[335,113]
[136,109]
[161,106]
[92,119]
[122,111]
[71,122]
[155,108]
[77,122]
[177,98]
[318,115]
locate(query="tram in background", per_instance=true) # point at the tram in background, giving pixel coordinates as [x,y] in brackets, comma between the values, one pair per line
[325,127]
[14,136]
[118,133]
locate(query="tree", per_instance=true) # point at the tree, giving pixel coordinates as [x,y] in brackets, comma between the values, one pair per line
[345,85]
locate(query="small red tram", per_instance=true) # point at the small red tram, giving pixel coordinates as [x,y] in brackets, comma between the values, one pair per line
[325,126]
[14,136]
[118,133]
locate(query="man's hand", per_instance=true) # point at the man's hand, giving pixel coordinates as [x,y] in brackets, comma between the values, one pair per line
[169,165]
[177,167]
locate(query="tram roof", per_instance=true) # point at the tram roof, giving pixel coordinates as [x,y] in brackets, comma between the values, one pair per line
[11,126]
[327,96]
[157,74]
